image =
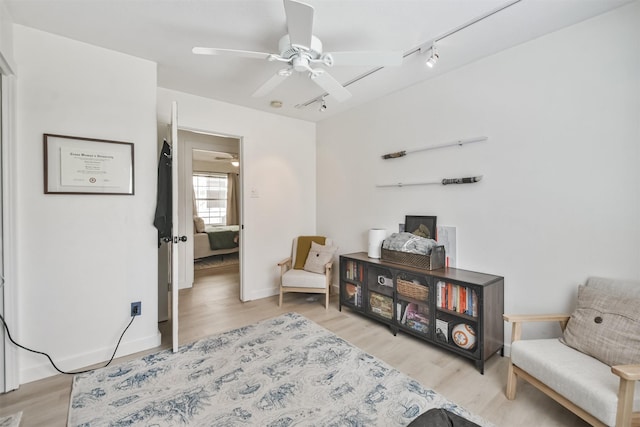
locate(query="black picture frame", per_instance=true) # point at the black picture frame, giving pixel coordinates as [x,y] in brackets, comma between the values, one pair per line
[419,225]
[77,165]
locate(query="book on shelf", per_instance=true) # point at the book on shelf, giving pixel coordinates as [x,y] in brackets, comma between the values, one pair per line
[457,298]
[418,326]
[416,317]
[354,294]
[380,304]
[354,270]
[442,330]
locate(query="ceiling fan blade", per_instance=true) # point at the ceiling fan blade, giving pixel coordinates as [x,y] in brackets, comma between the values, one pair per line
[330,85]
[229,52]
[379,58]
[271,84]
[299,22]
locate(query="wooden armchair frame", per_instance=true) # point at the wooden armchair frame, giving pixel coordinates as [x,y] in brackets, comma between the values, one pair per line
[628,375]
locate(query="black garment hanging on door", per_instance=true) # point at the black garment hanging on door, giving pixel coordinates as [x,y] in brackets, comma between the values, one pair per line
[163,218]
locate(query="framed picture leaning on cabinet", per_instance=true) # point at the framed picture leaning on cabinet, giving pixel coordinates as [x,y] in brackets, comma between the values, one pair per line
[423,226]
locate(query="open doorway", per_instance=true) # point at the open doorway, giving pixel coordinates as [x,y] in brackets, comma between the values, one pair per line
[209,157]
[216,211]
[210,195]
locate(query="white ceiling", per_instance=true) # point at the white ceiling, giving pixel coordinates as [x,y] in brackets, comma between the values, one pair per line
[164,31]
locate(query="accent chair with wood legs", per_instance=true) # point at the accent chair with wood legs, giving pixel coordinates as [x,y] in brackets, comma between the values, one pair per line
[594,368]
[309,267]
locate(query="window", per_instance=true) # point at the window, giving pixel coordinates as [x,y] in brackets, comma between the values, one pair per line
[211,197]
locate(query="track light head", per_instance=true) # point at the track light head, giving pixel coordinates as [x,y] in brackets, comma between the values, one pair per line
[323,107]
[434,56]
[432,60]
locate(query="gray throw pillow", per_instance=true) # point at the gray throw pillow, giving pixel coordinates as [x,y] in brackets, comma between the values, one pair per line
[319,256]
[605,326]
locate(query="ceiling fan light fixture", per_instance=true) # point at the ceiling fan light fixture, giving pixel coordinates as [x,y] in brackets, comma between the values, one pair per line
[433,58]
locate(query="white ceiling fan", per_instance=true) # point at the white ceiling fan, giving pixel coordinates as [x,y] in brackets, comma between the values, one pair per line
[301,50]
[227,157]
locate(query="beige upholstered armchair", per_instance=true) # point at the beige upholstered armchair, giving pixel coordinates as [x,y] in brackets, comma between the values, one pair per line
[593,369]
[308,269]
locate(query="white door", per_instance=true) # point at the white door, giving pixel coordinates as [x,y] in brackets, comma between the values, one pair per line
[175,240]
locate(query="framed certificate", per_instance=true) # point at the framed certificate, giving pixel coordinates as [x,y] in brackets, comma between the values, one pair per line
[74,165]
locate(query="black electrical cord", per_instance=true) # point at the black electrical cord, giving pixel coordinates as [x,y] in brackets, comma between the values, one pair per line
[6,327]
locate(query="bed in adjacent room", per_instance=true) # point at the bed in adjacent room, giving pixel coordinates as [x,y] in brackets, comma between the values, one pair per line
[215,240]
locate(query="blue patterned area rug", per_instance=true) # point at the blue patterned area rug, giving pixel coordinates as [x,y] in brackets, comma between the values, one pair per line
[280,372]
[11,420]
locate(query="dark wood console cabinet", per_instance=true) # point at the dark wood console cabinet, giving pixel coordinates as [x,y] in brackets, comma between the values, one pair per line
[428,304]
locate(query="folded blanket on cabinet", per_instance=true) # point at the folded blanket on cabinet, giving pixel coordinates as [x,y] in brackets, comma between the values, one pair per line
[407,242]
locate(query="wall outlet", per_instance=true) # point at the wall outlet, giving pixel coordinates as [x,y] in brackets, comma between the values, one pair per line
[136,308]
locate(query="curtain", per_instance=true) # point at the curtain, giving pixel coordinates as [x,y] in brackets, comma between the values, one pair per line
[193,199]
[232,199]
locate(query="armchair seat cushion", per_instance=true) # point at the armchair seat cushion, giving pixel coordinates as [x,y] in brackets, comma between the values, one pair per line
[303,279]
[583,380]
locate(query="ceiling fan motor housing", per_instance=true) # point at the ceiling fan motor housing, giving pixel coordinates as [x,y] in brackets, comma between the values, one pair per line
[287,51]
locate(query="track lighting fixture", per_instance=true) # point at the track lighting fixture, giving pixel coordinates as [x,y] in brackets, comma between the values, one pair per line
[323,107]
[434,56]
[422,49]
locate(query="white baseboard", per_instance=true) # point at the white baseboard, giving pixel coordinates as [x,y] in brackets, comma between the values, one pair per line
[76,363]
[261,293]
[507,350]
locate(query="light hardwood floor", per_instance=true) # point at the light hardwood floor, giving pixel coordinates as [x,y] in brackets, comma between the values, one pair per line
[212,306]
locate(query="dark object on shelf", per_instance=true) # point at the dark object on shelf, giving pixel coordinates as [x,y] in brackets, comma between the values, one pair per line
[423,226]
[438,417]
[433,261]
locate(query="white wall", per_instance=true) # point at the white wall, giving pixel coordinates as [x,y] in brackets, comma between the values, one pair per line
[560,196]
[279,167]
[6,40]
[82,259]
[8,294]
